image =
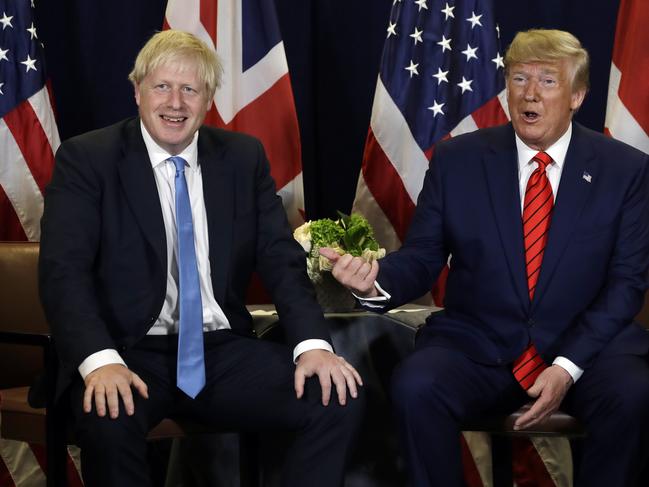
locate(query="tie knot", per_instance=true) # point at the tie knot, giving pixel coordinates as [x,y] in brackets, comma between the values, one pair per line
[179,162]
[543,159]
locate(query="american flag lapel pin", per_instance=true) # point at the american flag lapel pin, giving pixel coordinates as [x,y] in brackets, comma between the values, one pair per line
[587,177]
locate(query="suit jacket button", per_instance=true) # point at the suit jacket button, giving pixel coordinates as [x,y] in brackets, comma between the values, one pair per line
[531,322]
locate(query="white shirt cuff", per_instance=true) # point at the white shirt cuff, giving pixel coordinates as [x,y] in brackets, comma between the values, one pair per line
[99,359]
[574,371]
[312,344]
[377,302]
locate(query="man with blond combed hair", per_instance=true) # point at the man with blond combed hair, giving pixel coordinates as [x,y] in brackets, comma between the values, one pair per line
[547,226]
[156,224]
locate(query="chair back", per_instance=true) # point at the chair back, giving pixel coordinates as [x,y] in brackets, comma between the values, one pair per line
[20,310]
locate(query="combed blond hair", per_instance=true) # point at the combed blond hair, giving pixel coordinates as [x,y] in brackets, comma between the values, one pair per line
[548,45]
[174,45]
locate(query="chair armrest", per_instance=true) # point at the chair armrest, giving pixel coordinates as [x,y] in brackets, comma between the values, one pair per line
[24,338]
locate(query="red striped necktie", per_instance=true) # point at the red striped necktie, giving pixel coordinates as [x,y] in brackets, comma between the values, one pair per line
[537,213]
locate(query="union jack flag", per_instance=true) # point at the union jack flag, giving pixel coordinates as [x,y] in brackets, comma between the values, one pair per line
[28,133]
[627,113]
[256,95]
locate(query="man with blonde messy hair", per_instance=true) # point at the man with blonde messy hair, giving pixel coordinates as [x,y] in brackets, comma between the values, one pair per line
[547,226]
[151,231]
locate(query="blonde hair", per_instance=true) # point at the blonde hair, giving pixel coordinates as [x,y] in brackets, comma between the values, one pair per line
[543,45]
[174,45]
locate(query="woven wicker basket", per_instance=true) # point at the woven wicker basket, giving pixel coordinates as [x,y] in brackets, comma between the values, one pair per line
[332,296]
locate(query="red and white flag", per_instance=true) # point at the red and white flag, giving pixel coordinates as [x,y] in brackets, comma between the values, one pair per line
[256,95]
[28,133]
[627,111]
[440,76]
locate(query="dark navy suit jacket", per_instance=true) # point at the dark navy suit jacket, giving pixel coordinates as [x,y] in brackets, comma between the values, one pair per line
[103,252]
[594,272]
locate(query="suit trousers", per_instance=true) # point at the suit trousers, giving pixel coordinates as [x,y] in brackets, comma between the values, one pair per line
[436,390]
[250,387]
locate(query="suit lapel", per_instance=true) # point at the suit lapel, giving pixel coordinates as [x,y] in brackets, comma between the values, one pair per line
[573,193]
[218,193]
[501,168]
[137,179]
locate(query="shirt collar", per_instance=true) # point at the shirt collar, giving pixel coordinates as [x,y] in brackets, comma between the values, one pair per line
[556,151]
[157,155]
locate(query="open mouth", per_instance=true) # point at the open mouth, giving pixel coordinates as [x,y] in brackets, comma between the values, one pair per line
[530,116]
[166,118]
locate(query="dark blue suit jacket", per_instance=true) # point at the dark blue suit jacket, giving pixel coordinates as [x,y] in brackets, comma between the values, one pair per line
[103,250]
[594,272]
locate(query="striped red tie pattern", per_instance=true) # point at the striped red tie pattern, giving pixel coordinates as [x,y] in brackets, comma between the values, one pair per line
[537,213]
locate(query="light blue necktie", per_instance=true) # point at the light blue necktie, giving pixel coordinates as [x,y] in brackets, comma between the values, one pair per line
[191,360]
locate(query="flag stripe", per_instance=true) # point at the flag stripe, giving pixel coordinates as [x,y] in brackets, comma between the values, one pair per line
[491,113]
[631,41]
[32,142]
[19,184]
[620,123]
[10,229]
[393,134]
[383,180]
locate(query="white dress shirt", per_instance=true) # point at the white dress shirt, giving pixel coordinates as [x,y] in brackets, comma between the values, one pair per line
[526,167]
[214,318]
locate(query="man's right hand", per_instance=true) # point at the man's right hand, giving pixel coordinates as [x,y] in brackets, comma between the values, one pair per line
[353,272]
[106,384]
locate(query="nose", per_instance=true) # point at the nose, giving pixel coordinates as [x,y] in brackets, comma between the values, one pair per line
[531,91]
[175,99]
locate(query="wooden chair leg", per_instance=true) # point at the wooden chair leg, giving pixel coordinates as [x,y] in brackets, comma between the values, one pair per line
[501,460]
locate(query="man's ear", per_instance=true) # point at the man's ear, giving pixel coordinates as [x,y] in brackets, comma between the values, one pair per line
[577,99]
[136,89]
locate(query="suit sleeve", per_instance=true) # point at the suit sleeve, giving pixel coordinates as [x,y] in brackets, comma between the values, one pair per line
[69,242]
[410,272]
[622,295]
[281,264]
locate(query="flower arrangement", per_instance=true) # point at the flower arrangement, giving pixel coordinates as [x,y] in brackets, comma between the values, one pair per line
[349,234]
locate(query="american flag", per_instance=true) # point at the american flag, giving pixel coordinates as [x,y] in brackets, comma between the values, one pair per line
[256,95]
[28,134]
[441,75]
[627,111]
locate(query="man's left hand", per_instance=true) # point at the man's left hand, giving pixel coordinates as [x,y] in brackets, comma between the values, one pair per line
[330,368]
[549,389]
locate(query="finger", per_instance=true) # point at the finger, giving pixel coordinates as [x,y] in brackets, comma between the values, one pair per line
[363,271]
[140,386]
[100,400]
[87,398]
[341,268]
[536,389]
[350,382]
[124,390]
[113,401]
[338,378]
[531,417]
[299,382]
[330,254]
[325,385]
[374,271]
[354,372]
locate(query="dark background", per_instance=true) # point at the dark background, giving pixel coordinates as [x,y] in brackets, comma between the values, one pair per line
[333,49]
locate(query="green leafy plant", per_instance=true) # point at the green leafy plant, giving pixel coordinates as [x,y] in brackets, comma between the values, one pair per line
[349,234]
